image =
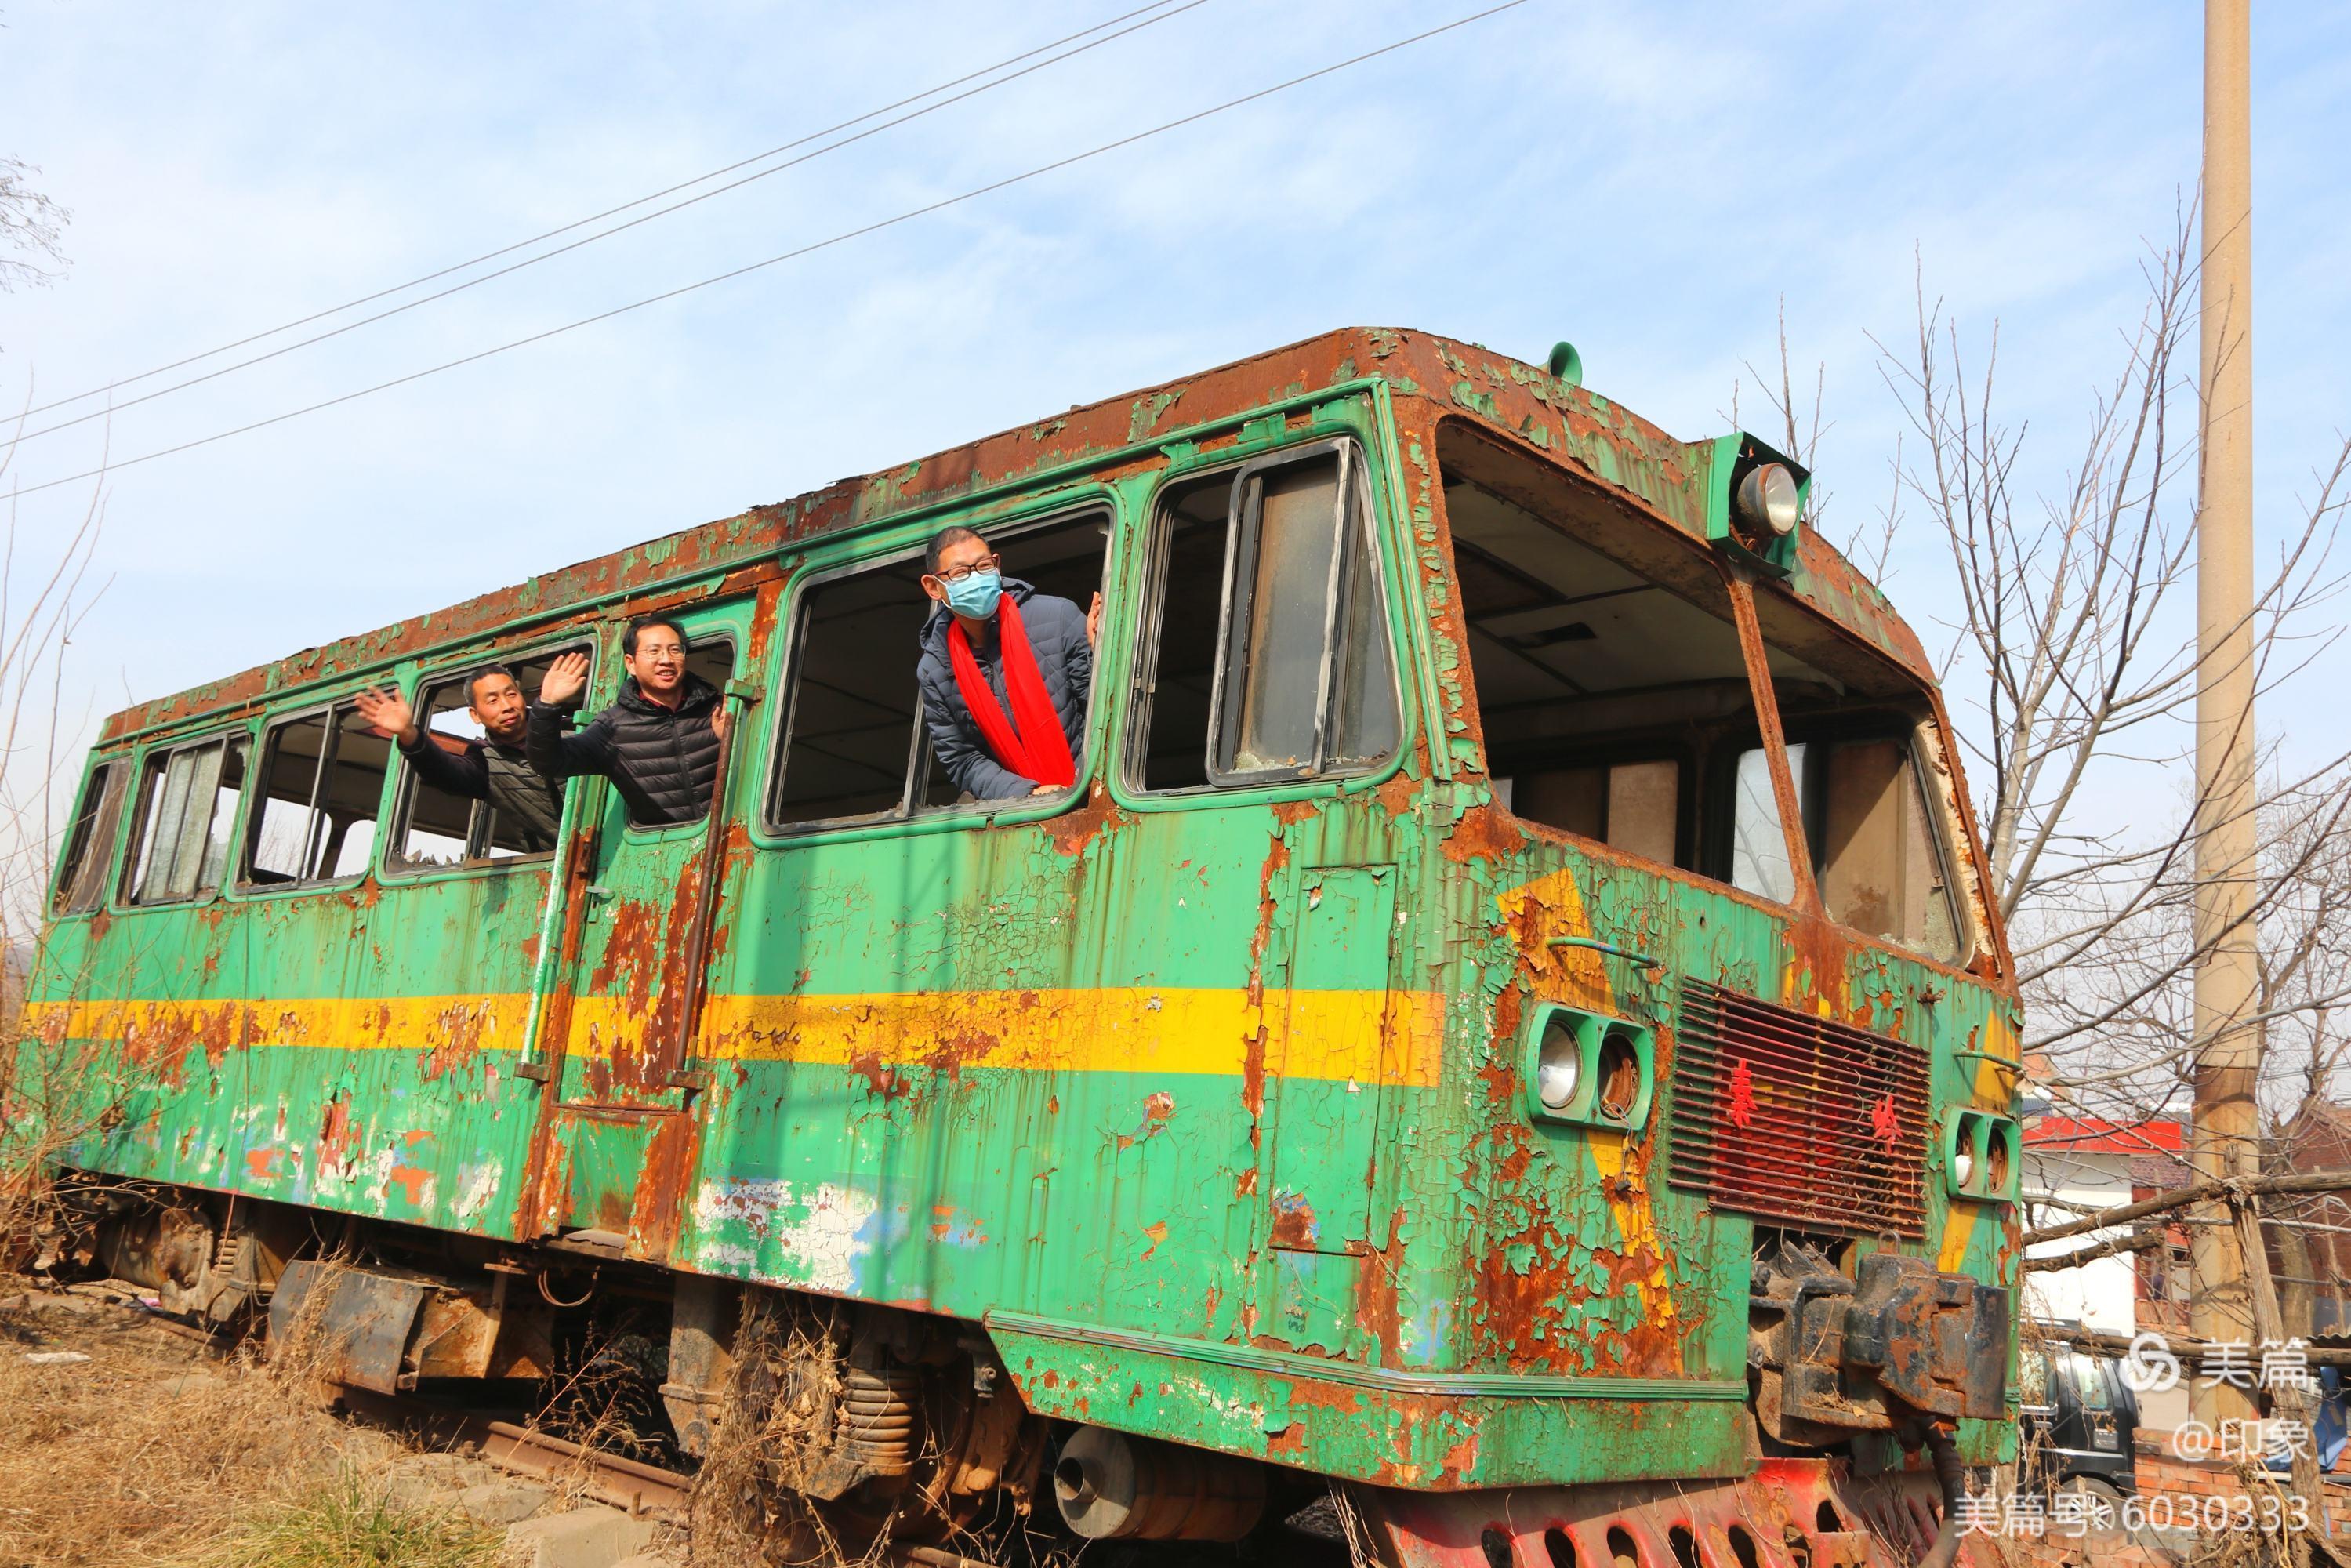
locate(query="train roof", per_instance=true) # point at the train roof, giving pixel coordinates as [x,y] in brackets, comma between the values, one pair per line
[1522,403]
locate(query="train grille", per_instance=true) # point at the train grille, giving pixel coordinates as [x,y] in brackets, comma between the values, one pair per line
[1794,1118]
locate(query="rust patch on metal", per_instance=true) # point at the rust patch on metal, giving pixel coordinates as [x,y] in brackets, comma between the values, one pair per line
[1485,833]
[1398,795]
[1074,832]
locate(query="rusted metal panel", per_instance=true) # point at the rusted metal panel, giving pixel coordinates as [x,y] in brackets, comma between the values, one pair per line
[354,1325]
[1790,1510]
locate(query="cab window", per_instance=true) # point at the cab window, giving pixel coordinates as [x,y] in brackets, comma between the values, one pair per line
[187,809]
[1609,682]
[1266,653]
[853,748]
[2033,1377]
[2090,1382]
[1869,771]
[81,876]
[321,785]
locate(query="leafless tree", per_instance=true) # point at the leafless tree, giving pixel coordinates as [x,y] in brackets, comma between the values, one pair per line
[31,224]
[2072,675]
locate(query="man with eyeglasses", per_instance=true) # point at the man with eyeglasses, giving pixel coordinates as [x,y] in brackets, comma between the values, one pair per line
[1005,674]
[659,741]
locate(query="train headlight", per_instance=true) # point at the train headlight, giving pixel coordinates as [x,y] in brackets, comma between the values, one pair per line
[1768,501]
[1963,1166]
[1559,1065]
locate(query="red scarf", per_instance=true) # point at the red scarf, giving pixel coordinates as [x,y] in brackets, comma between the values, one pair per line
[1030,742]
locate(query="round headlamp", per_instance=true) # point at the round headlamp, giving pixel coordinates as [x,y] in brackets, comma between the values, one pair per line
[1963,1165]
[1768,500]
[1559,1066]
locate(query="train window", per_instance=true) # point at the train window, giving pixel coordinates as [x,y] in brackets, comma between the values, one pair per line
[1759,862]
[187,807]
[854,748]
[321,785]
[1607,667]
[439,821]
[1631,806]
[81,878]
[1862,747]
[710,659]
[1268,653]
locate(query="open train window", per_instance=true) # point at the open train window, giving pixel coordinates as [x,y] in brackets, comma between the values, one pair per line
[314,819]
[187,809]
[710,659]
[1606,660]
[443,817]
[81,876]
[1267,656]
[1866,756]
[855,747]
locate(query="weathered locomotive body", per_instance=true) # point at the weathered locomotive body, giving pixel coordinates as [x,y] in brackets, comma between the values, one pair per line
[1509,1004]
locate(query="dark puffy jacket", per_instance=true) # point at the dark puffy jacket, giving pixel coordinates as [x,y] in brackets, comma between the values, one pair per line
[662,760]
[1056,636]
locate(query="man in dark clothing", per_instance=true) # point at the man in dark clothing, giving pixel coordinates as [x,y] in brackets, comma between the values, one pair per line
[658,743]
[1005,674]
[493,769]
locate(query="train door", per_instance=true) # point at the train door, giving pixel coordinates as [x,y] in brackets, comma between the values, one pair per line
[623,1100]
[1332,1020]
[1268,667]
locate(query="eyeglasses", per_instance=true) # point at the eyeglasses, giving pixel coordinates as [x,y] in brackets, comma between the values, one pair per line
[957,573]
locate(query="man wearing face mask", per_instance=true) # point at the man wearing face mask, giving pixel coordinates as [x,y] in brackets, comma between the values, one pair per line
[1005,674]
[658,743]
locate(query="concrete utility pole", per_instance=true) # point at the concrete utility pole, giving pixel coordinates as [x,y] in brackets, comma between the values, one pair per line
[2228,1041]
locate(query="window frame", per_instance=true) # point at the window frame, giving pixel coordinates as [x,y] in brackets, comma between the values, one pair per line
[120,896]
[1362,501]
[1918,733]
[389,864]
[249,832]
[910,815]
[97,866]
[1244,524]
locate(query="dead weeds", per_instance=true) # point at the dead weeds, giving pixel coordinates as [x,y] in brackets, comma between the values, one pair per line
[157,1451]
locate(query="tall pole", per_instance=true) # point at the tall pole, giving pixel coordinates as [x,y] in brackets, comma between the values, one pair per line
[2228,1038]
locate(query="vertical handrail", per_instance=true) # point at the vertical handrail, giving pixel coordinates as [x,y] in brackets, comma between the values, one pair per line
[739,697]
[561,874]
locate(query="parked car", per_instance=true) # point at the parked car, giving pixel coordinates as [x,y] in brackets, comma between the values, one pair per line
[2078,1425]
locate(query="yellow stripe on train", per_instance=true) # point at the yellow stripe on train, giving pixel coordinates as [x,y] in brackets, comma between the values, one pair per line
[1362,1036]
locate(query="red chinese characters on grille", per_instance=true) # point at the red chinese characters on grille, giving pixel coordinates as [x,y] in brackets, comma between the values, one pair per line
[1742,1096]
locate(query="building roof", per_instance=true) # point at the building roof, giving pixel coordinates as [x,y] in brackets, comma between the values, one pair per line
[2093,1134]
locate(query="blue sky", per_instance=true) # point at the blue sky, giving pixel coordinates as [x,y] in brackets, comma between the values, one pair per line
[1649,182]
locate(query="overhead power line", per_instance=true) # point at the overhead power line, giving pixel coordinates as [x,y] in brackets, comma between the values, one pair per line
[814,245]
[1145,11]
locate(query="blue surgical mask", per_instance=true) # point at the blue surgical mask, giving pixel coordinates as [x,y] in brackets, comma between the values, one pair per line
[976,595]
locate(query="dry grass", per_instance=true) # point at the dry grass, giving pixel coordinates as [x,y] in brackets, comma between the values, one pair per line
[153,1452]
[778,1421]
[347,1520]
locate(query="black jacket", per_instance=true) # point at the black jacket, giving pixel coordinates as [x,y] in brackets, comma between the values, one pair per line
[1057,637]
[533,805]
[662,760]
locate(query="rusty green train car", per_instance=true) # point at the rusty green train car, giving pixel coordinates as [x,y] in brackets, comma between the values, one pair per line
[1507,1023]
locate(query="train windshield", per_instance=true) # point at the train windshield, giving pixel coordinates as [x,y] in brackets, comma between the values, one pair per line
[1611,686]
[1616,707]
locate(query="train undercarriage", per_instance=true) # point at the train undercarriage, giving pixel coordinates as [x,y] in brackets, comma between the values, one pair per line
[851,1427]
